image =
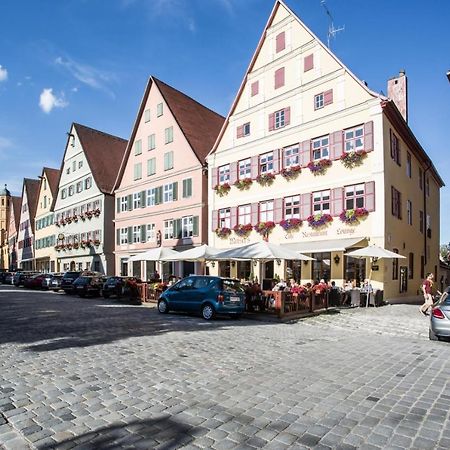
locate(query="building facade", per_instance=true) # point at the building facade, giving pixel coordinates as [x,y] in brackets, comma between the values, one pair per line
[14,217]
[161,191]
[25,236]
[5,211]
[309,157]
[44,226]
[84,205]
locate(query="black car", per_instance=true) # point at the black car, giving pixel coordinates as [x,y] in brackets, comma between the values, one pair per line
[67,282]
[5,276]
[121,287]
[86,285]
[20,277]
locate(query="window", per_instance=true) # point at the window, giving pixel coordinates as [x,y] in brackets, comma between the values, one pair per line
[168,132]
[280,119]
[138,147]
[63,193]
[159,110]
[137,171]
[243,130]
[354,196]
[79,186]
[224,218]
[292,207]
[224,174]
[187,188]
[266,211]
[68,170]
[151,142]
[421,221]
[136,234]
[396,203]
[420,179]
[151,166]
[244,214]
[320,148]
[291,157]
[411,266]
[395,148]
[395,265]
[168,193]
[123,204]
[280,42]
[44,181]
[409,211]
[408,165]
[168,160]
[147,115]
[45,201]
[151,235]
[245,168]
[74,166]
[136,200]
[427,186]
[321,202]
[318,101]
[88,183]
[187,226]
[279,78]
[151,197]
[168,229]
[80,164]
[323,99]
[71,190]
[354,139]
[254,88]
[266,163]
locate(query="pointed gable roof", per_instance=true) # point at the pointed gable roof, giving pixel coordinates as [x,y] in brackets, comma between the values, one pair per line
[199,124]
[17,206]
[52,179]
[32,188]
[275,8]
[104,153]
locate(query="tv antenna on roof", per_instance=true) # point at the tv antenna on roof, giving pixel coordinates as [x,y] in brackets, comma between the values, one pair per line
[331,30]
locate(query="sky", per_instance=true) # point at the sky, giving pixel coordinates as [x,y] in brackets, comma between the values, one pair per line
[88,61]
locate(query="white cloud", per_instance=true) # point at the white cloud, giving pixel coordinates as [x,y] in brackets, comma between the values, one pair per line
[48,101]
[3,73]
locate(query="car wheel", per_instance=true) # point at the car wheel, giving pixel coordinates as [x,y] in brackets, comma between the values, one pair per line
[208,311]
[163,307]
[432,335]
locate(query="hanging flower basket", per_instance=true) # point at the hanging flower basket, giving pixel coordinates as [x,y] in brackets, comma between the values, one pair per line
[69,220]
[82,217]
[353,159]
[96,242]
[75,218]
[97,212]
[62,222]
[353,216]
[290,173]
[264,228]
[89,214]
[291,224]
[243,184]
[223,232]
[319,167]
[69,246]
[83,243]
[265,179]
[76,245]
[222,189]
[57,224]
[319,220]
[243,230]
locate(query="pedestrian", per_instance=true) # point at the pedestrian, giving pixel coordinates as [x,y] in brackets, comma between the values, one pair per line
[427,286]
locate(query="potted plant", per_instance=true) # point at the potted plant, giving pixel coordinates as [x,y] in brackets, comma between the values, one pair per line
[223,232]
[319,167]
[222,189]
[243,184]
[265,179]
[290,173]
[97,212]
[319,220]
[264,228]
[353,216]
[96,242]
[353,159]
[291,224]
[243,230]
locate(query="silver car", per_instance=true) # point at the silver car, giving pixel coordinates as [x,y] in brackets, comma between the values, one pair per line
[440,317]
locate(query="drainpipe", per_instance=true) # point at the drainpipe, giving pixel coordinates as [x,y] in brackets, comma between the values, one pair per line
[425,229]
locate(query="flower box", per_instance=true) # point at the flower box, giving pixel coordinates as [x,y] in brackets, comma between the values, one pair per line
[96,242]
[243,230]
[97,212]
[291,224]
[243,184]
[222,189]
[319,167]
[223,232]
[353,159]
[265,179]
[264,228]
[290,173]
[319,220]
[353,216]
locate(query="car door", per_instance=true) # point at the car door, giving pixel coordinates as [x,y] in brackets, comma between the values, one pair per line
[181,294]
[202,292]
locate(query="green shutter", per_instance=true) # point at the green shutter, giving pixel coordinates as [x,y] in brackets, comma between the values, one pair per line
[175,190]
[195,225]
[158,195]
[130,202]
[143,199]
[177,229]
[189,187]
[143,234]
[118,204]
[118,236]
[130,235]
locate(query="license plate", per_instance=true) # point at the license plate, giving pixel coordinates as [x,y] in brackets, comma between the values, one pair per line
[235,299]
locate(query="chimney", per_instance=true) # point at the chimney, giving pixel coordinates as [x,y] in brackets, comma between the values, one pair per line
[398,92]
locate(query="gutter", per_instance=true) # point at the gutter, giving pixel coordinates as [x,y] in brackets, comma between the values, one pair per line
[425,229]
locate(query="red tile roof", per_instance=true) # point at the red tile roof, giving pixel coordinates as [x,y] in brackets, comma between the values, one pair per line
[17,206]
[52,179]
[32,188]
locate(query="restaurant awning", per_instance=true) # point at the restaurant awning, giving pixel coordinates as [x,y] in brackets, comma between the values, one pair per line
[328,245]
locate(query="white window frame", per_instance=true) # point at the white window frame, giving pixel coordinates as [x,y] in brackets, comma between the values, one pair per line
[320,148]
[151,197]
[225,218]
[151,233]
[354,139]
[79,187]
[137,173]
[138,147]
[151,141]
[292,207]
[168,135]
[266,211]
[244,214]
[159,110]
[319,101]
[168,193]
[147,115]
[291,156]
[266,163]
[354,196]
[319,200]
[136,234]
[168,160]
[87,183]
[279,119]
[224,174]
[187,226]
[151,166]
[245,168]
[168,229]
[136,200]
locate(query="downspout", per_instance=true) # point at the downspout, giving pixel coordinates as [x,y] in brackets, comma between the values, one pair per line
[425,234]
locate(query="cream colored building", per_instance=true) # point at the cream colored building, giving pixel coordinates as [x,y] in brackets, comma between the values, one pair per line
[44,225]
[299,105]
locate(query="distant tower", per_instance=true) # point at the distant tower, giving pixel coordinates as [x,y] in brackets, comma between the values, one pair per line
[398,92]
[5,210]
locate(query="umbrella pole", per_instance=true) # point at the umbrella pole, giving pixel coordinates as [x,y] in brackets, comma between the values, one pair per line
[370,279]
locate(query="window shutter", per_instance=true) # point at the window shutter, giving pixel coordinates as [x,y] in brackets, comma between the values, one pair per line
[271,121]
[368,136]
[287,116]
[175,190]
[369,192]
[280,41]
[214,176]
[130,202]
[255,166]
[240,131]
[189,187]
[184,192]
[158,195]
[118,236]
[305,153]
[255,88]
[278,210]
[393,202]
[337,201]
[143,199]
[195,226]
[308,62]
[305,206]
[143,234]
[118,204]
[279,77]
[214,220]
[391,139]
[399,207]
[233,216]
[130,235]
[328,97]
[276,161]
[233,172]
[336,144]
[254,213]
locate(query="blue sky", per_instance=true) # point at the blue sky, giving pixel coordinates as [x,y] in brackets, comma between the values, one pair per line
[88,61]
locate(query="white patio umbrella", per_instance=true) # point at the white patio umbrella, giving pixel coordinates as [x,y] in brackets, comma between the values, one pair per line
[155,254]
[201,253]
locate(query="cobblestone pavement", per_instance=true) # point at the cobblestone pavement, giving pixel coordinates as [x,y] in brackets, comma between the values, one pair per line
[94,374]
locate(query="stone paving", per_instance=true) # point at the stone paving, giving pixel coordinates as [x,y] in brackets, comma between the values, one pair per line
[94,374]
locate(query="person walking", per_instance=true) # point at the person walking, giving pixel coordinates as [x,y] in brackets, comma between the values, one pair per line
[427,286]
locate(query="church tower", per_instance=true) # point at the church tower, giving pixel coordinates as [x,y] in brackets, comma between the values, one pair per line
[5,210]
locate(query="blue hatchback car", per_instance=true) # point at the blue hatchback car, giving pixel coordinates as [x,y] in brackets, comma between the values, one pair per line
[208,295]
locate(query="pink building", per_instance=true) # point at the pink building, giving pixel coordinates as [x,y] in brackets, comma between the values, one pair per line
[14,221]
[161,190]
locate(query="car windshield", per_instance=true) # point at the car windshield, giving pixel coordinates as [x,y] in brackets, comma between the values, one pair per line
[445,299]
[71,275]
[232,285]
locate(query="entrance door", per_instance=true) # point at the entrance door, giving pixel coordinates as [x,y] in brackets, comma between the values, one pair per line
[72,266]
[403,279]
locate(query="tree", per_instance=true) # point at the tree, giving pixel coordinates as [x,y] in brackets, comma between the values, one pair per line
[445,252]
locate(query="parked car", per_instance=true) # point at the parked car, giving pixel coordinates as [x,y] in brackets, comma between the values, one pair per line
[34,282]
[4,277]
[86,285]
[67,282]
[121,287]
[440,317]
[9,278]
[208,295]
[55,282]
[47,280]
[20,277]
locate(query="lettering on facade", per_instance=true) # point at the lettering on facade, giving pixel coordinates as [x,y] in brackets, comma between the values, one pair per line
[345,230]
[239,241]
[315,233]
